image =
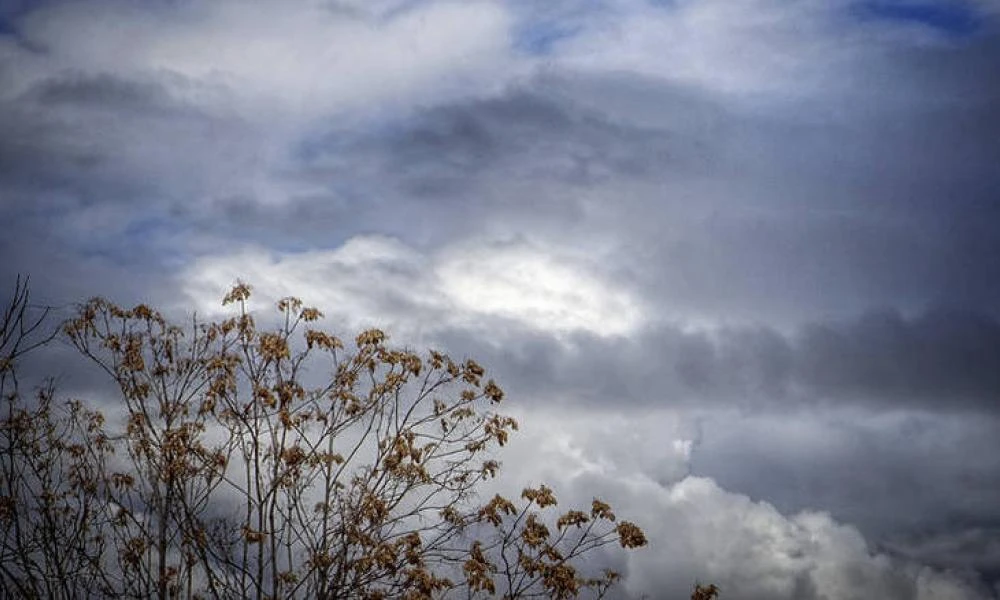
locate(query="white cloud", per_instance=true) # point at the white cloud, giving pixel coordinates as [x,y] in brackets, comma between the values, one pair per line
[564,445]
[752,551]
[290,57]
[753,49]
[743,47]
[538,288]
[377,280]
[699,531]
[356,284]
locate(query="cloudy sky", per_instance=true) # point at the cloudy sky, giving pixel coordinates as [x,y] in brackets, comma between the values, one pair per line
[736,262]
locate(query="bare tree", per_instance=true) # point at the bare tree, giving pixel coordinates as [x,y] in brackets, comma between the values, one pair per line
[705,592]
[21,331]
[278,463]
[46,498]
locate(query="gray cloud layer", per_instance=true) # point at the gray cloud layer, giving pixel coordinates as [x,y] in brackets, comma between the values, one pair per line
[939,360]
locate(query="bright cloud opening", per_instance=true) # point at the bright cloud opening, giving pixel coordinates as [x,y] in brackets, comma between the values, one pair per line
[537,289]
[379,280]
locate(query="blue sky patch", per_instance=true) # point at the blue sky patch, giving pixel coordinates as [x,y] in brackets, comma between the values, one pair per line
[955,18]
[540,37]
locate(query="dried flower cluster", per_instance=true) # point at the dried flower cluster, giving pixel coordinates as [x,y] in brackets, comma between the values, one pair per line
[274,463]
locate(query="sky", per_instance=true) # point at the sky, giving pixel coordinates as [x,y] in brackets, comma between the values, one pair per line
[736,263]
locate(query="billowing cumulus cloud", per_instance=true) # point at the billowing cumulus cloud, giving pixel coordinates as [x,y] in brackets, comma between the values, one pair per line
[698,529]
[736,264]
[750,548]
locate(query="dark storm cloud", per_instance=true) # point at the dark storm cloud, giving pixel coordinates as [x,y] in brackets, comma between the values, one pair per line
[97,172]
[546,139]
[942,356]
[521,156]
[459,169]
[34,149]
[886,473]
[885,202]
[875,197]
[534,130]
[78,142]
[951,547]
[723,207]
[105,92]
[940,360]
[922,485]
